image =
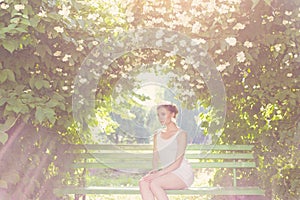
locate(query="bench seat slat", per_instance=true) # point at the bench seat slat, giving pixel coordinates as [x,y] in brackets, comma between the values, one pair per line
[143,156]
[148,165]
[135,190]
[149,147]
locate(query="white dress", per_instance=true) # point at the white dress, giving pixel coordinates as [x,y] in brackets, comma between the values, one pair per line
[167,151]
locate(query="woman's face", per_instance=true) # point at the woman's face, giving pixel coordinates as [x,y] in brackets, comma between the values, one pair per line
[164,115]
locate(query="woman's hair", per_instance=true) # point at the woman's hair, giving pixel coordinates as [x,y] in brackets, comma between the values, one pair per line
[170,107]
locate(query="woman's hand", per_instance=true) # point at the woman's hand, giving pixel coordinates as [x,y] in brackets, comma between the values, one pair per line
[151,175]
[153,171]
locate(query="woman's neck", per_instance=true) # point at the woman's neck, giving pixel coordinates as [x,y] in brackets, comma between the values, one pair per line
[171,127]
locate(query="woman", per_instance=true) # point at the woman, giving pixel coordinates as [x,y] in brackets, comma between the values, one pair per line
[168,148]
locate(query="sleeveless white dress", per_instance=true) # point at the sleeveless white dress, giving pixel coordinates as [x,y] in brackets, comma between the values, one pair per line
[167,151]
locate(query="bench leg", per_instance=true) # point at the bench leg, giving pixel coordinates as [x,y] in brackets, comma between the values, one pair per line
[77,196]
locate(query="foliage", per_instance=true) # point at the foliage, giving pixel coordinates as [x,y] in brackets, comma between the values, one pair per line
[254,45]
[42,44]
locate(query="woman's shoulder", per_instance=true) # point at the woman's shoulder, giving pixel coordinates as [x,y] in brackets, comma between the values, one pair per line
[182,132]
[158,131]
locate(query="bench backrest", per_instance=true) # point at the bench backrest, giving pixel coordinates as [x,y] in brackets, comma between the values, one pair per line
[138,157]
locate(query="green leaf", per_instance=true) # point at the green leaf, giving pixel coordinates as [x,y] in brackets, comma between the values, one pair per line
[3,184]
[39,114]
[25,22]
[31,82]
[41,83]
[8,28]
[10,75]
[34,21]
[268,2]
[21,30]
[42,49]
[12,177]
[254,3]
[9,122]
[3,101]
[50,113]
[3,137]
[11,45]
[3,76]
[52,103]
[42,114]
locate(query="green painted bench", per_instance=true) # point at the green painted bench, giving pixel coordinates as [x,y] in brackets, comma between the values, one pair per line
[137,158]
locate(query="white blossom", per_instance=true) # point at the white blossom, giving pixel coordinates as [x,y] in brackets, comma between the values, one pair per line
[211,6]
[59,29]
[231,41]
[222,67]
[130,19]
[19,7]
[230,20]
[64,88]
[118,30]
[159,34]
[185,67]
[158,43]
[105,67]
[288,13]
[270,18]
[234,1]
[182,43]
[285,22]
[223,9]
[183,18]
[82,80]
[289,75]
[65,11]
[57,53]
[129,13]
[4,6]
[66,58]
[190,60]
[196,27]
[95,43]
[277,47]
[241,57]
[239,26]
[93,16]
[58,69]
[187,77]
[198,41]
[218,51]
[232,9]
[79,48]
[113,75]
[124,75]
[248,44]
[42,14]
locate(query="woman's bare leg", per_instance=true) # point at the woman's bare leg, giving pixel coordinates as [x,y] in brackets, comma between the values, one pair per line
[145,190]
[167,182]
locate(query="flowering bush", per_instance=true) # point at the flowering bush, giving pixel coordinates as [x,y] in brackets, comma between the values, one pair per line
[254,45]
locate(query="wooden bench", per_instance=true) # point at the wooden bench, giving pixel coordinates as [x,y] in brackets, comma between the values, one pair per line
[137,158]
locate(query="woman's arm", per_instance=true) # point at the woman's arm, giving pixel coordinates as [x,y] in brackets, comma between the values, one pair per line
[155,158]
[181,146]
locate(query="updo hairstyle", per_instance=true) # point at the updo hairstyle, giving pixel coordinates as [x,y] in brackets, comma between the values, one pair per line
[170,107]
